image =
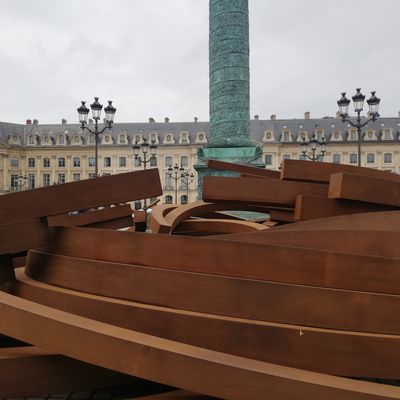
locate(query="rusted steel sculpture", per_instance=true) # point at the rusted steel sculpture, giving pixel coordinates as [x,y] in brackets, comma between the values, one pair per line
[285,306]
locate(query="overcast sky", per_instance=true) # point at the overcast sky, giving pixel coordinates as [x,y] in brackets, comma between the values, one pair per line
[151,57]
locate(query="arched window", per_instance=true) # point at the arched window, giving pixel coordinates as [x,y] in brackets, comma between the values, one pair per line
[168,199]
[387,135]
[61,139]
[91,139]
[184,199]
[31,139]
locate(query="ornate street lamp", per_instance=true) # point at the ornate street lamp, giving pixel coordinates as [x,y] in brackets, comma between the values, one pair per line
[173,174]
[314,142]
[21,182]
[358,101]
[145,158]
[186,179]
[96,108]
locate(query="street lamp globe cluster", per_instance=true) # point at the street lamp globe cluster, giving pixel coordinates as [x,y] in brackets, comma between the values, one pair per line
[358,101]
[96,108]
[314,143]
[145,147]
[178,173]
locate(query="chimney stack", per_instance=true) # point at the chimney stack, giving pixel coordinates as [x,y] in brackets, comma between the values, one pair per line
[63,121]
[166,120]
[195,119]
[256,116]
[29,122]
[273,117]
[307,115]
[35,122]
[151,120]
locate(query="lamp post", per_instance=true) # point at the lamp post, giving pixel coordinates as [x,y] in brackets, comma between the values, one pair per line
[144,159]
[358,101]
[186,180]
[314,142]
[173,174]
[96,108]
[21,182]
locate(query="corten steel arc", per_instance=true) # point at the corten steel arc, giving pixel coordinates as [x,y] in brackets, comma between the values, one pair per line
[320,172]
[227,257]
[173,363]
[52,200]
[312,207]
[176,395]
[222,295]
[31,371]
[258,340]
[94,218]
[266,192]
[362,188]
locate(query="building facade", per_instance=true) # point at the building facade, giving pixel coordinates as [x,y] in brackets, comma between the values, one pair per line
[35,155]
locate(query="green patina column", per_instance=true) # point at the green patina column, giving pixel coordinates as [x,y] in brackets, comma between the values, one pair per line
[229,130]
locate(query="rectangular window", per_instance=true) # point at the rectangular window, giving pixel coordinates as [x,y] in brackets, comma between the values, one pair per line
[370,158]
[61,178]
[46,162]
[137,162]
[61,162]
[184,161]
[122,161]
[168,161]
[302,157]
[107,161]
[92,175]
[76,177]
[31,181]
[76,162]
[387,158]
[268,159]
[168,181]
[336,158]
[153,161]
[14,162]
[14,182]
[286,157]
[31,162]
[46,180]
[91,161]
[353,159]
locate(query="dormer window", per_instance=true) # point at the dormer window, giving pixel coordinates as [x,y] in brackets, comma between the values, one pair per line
[31,140]
[138,138]
[286,137]
[153,138]
[91,139]
[387,135]
[122,138]
[61,139]
[184,137]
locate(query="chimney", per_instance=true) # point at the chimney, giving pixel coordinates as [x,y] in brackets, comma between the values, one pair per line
[166,120]
[35,122]
[307,115]
[256,116]
[63,121]
[151,119]
[29,122]
[273,117]
[195,119]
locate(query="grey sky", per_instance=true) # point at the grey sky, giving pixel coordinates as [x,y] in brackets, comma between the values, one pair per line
[151,57]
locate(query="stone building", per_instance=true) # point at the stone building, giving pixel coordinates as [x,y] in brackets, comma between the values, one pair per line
[35,155]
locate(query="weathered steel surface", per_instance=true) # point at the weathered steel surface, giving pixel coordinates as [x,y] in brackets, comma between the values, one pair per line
[92,217]
[364,188]
[30,371]
[227,257]
[242,169]
[20,236]
[97,192]
[266,192]
[217,226]
[258,340]
[176,364]
[176,395]
[282,215]
[306,171]
[222,295]
[311,207]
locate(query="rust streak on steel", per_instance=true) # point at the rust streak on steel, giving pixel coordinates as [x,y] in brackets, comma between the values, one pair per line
[176,364]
